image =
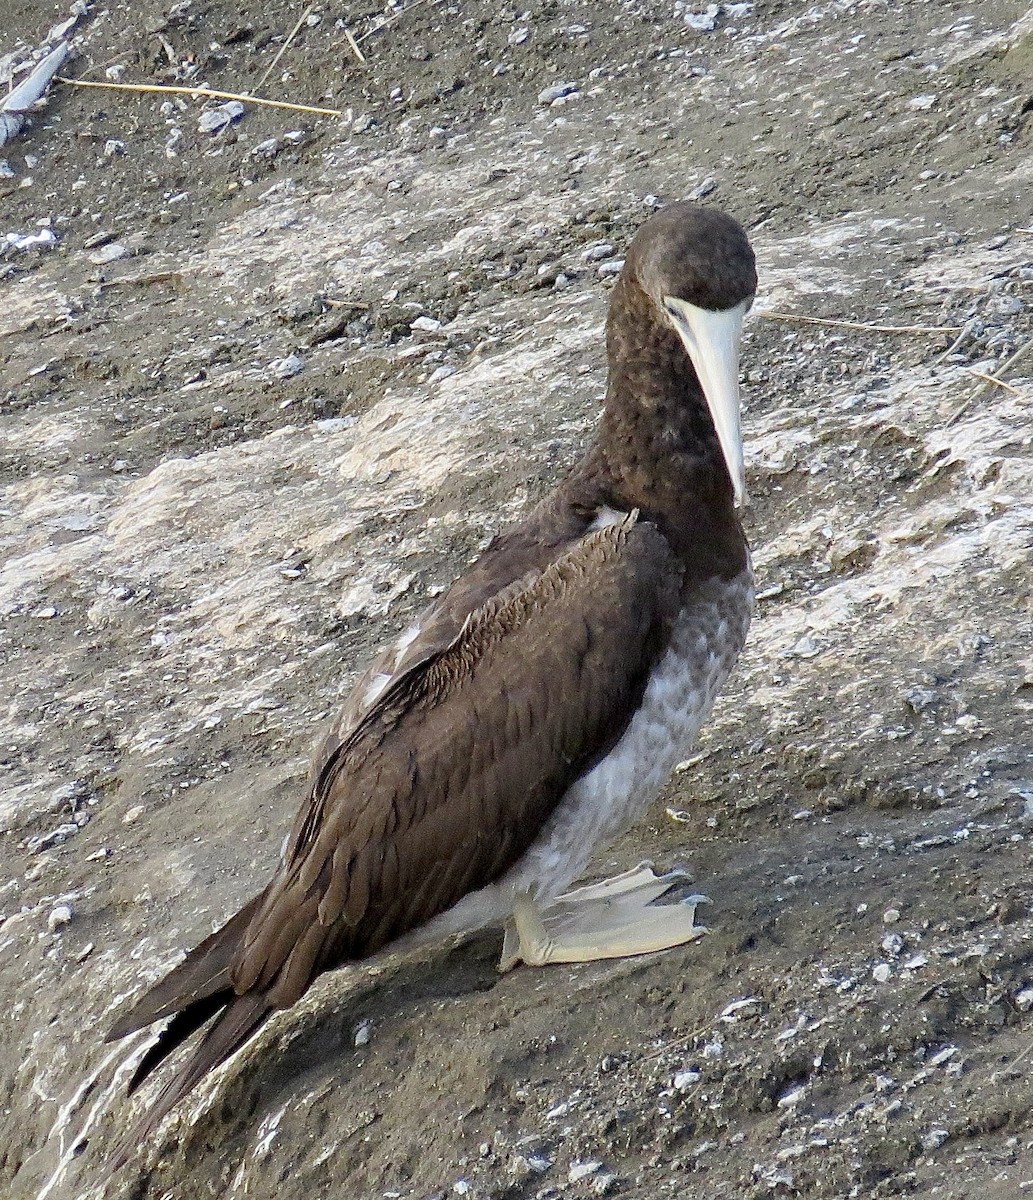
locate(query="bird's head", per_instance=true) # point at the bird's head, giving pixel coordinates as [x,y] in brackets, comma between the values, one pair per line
[697,269]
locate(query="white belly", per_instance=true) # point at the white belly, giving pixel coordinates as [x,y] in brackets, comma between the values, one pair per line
[705,644]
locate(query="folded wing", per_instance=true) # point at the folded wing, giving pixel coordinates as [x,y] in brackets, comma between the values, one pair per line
[436,789]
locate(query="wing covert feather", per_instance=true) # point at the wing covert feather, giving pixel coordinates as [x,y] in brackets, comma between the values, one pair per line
[445,782]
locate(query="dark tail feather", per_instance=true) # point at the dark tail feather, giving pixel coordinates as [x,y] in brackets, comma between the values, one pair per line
[182,1025]
[192,993]
[204,973]
[242,1017]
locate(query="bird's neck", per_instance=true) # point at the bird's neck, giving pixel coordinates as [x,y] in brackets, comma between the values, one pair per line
[657,449]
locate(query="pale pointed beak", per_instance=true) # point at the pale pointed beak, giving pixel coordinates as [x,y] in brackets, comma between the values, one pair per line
[712,340]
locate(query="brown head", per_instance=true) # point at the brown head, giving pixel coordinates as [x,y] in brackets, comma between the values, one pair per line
[690,271]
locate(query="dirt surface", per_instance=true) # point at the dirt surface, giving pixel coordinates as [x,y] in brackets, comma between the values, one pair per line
[232,467]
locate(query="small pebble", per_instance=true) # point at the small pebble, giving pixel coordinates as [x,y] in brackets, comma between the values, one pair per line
[133,814]
[519,36]
[943,1056]
[212,120]
[1024,999]
[582,1170]
[363,1033]
[704,189]
[110,253]
[60,917]
[597,252]
[934,1139]
[613,267]
[425,325]
[881,972]
[893,943]
[918,699]
[558,91]
[284,368]
[100,238]
[45,841]
[685,1079]
[804,647]
[703,22]
[441,373]
[891,916]
[45,239]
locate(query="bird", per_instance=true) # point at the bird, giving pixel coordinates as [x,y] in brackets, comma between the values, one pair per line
[536,708]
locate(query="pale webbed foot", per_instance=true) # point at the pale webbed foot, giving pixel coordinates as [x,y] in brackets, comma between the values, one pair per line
[612,919]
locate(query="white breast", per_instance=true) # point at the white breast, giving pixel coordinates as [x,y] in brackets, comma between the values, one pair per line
[704,646]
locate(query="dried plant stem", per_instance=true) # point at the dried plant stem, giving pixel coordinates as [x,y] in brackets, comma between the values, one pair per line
[391,20]
[780,316]
[283,49]
[354,45]
[208,93]
[966,329]
[993,379]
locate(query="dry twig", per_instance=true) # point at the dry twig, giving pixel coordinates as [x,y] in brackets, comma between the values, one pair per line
[208,93]
[391,20]
[966,329]
[780,316]
[354,45]
[991,380]
[283,49]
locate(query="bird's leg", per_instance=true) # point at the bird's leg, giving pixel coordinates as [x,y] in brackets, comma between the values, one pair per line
[612,919]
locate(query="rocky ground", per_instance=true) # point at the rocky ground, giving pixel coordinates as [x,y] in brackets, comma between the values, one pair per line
[267,383]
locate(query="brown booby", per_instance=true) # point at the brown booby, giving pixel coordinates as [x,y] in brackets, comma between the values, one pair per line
[537,707]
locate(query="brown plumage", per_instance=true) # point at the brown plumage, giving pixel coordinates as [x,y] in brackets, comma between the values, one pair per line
[450,764]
